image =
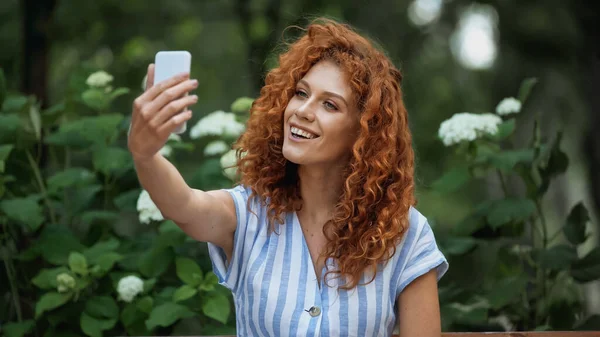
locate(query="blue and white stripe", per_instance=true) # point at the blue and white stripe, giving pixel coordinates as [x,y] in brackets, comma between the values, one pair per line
[273,281]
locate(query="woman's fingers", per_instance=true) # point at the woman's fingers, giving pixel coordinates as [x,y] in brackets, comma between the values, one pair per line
[148,110]
[171,109]
[150,77]
[173,123]
[159,88]
[171,94]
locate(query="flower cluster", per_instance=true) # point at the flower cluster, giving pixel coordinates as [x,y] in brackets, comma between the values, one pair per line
[99,79]
[216,147]
[64,282]
[468,127]
[507,106]
[228,160]
[218,123]
[129,287]
[147,209]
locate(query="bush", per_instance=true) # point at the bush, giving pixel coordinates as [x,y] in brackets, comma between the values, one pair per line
[85,250]
[519,275]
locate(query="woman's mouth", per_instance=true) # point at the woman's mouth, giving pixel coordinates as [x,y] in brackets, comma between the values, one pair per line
[301,134]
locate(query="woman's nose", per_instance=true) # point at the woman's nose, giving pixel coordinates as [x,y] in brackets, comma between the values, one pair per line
[305,111]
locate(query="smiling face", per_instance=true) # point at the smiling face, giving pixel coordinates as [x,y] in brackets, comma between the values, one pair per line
[321,119]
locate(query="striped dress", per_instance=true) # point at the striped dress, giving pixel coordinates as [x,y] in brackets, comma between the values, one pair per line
[276,292]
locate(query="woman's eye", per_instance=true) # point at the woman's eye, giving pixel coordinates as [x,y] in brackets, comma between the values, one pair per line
[330,106]
[301,93]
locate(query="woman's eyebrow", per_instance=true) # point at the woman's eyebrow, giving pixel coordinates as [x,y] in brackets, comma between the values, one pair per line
[329,93]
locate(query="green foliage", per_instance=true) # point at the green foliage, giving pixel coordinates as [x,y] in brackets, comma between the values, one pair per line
[531,276]
[72,219]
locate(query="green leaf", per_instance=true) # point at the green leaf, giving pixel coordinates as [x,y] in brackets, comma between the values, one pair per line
[188,271]
[9,125]
[209,282]
[26,211]
[588,268]
[96,99]
[454,245]
[506,160]
[526,87]
[94,253]
[506,291]
[54,253]
[505,130]
[145,304]
[102,307]
[4,153]
[184,292]
[559,257]
[170,239]
[100,217]
[17,329]
[130,314]
[71,177]
[108,260]
[86,131]
[241,105]
[149,284]
[127,201]
[452,180]
[577,220]
[81,198]
[510,210]
[116,93]
[50,301]
[46,278]
[112,160]
[93,327]
[155,262]
[217,307]
[14,103]
[78,263]
[166,314]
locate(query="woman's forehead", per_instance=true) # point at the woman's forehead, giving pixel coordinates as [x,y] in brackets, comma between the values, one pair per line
[328,76]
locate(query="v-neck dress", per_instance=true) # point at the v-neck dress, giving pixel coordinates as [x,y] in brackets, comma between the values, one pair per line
[275,288]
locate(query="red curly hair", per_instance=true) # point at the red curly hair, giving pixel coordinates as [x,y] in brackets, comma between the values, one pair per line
[371,215]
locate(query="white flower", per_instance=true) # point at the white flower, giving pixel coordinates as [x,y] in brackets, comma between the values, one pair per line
[99,79]
[216,147]
[227,160]
[147,209]
[218,123]
[508,106]
[129,287]
[166,150]
[466,126]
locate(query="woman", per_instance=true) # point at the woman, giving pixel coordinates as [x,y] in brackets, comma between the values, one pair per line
[320,238]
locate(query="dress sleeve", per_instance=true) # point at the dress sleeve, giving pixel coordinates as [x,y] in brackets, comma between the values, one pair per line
[423,252]
[228,272]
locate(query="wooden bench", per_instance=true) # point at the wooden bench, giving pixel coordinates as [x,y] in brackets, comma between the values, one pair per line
[510,334]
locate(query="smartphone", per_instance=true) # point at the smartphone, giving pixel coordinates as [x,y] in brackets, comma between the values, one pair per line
[168,64]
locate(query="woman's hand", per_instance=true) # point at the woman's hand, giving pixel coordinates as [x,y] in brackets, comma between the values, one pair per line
[158,112]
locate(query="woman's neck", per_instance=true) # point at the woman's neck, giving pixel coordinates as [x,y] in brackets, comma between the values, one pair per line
[320,189]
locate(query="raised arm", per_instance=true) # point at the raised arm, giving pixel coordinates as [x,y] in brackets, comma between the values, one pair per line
[205,216]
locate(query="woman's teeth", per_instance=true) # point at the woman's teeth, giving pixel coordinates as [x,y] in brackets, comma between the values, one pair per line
[297,132]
